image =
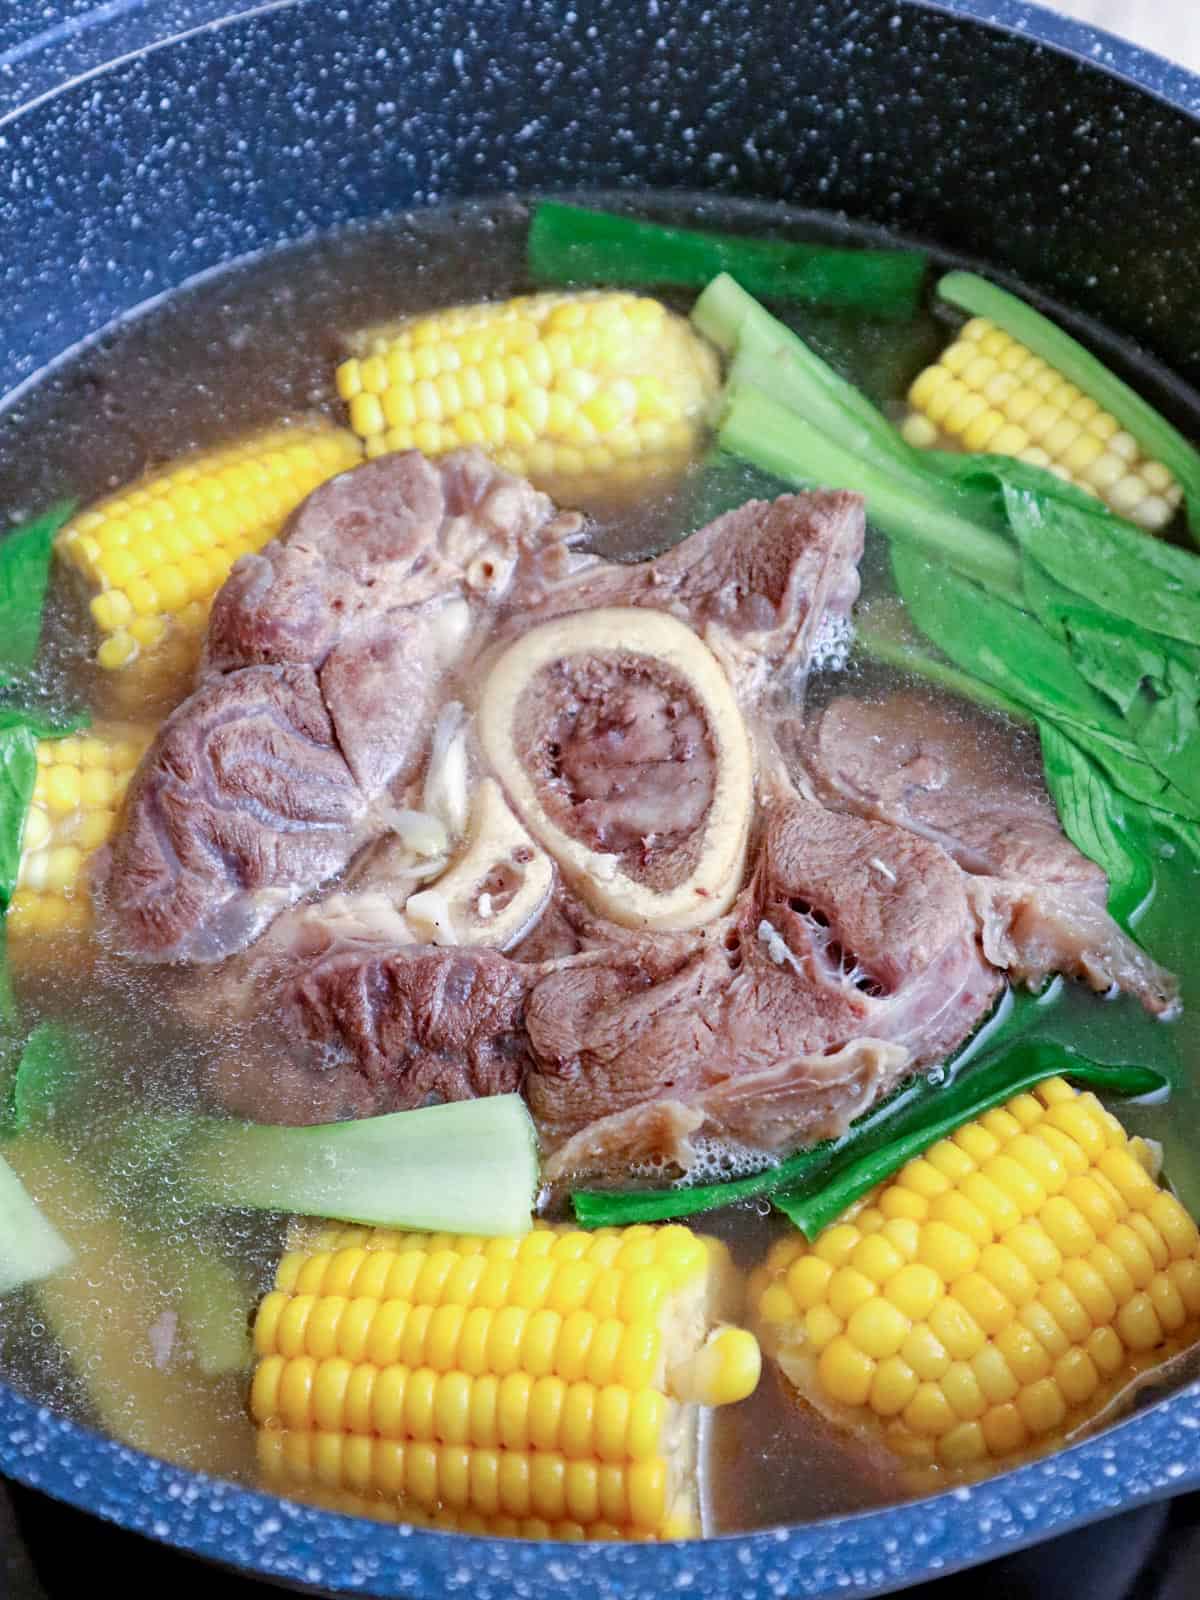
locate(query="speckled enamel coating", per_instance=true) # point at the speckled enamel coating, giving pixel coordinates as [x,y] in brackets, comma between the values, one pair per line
[989,125]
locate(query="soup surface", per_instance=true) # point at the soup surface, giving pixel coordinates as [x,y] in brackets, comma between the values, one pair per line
[248,347]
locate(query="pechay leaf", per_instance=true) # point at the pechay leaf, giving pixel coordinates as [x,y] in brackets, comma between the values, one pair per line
[1165,719]
[882,633]
[1105,825]
[1109,562]
[25,557]
[18,773]
[1004,646]
[984,480]
[1126,767]
[570,244]
[1013,653]
[1153,681]
[48,1064]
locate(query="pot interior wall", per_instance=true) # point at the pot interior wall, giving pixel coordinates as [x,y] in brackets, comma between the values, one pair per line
[302,116]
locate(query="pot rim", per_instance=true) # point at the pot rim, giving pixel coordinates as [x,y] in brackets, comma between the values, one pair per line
[1147,1457]
[52,59]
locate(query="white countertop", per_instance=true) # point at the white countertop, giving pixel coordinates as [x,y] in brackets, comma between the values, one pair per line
[1172,27]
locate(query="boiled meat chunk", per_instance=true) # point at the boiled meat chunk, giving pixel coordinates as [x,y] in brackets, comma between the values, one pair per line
[242,798]
[463,810]
[766,586]
[851,958]
[420,1023]
[956,777]
[395,534]
[325,660]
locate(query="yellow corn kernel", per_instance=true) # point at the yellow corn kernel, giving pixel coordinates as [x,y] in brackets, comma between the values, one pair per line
[194,517]
[550,1378]
[76,794]
[580,391]
[988,392]
[1045,1268]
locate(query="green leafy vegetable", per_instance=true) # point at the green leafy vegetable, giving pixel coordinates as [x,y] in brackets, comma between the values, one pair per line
[18,773]
[1152,431]
[767,354]
[466,1167]
[569,244]
[1099,821]
[49,1062]
[1038,598]
[882,633]
[812,1208]
[1001,644]
[760,429]
[25,557]
[1109,562]
[31,1247]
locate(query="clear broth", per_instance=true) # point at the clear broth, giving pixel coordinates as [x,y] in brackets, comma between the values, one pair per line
[247,346]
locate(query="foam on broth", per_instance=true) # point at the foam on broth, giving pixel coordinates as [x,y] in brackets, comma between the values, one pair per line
[246,347]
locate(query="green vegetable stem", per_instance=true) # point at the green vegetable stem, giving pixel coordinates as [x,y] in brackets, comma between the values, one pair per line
[573,244]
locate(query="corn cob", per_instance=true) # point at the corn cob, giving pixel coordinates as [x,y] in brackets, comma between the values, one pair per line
[547,1382]
[996,1294]
[988,392]
[575,391]
[77,795]
[445,1521]
[153,555]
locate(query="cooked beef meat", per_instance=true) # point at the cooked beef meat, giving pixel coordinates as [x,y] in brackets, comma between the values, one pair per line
[760,584]
[243,798]
[251,983]
[966,782]
[380,687]
[318,689]
[851,957]
[420,1023]
[389,536]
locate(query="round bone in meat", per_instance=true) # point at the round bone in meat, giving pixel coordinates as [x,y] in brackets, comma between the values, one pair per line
[496,891]
[620,743]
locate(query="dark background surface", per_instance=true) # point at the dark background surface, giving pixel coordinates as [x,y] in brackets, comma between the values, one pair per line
[50,1552]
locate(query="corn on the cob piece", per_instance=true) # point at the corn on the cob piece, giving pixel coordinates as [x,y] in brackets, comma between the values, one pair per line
[988,392]
[997,1293]
[77,795]
[497,1527]
[575,391]
[544,1385]
[154,554]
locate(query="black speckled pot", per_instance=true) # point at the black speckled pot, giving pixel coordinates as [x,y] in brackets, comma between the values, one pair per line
[141,143]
